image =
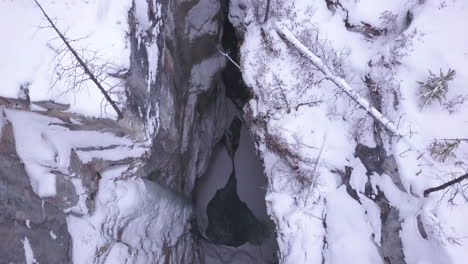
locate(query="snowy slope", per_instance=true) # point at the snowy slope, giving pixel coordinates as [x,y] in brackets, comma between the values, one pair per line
[139,222]
[333,195]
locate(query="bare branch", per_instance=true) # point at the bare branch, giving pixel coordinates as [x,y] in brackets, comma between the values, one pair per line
[230,59]
[445,185]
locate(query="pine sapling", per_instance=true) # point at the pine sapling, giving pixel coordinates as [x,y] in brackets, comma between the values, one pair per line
[435,87]
[442,150]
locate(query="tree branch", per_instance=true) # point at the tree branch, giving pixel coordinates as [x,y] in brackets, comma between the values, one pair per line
[445,185]
[81,62]
[230,59]
[267,11]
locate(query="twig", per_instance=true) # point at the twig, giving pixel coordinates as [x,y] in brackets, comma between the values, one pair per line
[227,56]
[313,103]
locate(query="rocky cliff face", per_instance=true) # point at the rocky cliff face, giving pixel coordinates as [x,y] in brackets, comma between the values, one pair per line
[25,219]
[104,191]
[235,147]
[183,94]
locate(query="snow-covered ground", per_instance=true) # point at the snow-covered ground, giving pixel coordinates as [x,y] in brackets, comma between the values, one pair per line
[138,222]
[307,127]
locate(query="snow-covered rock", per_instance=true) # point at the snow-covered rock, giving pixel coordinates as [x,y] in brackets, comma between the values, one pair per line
[177,180]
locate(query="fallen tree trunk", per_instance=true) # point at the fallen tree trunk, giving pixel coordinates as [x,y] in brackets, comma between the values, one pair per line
[287,35]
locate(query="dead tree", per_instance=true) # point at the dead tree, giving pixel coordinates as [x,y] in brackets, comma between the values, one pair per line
[91,75]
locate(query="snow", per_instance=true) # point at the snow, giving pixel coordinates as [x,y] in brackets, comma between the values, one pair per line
[145,23]
[52,235]
[136,219]
[358,176]
[298,215]
[148,24]
[373,213]
[355,229]
[343,85]
[419,250]
[45,144]
[299,232]
[28,252]
[82,195]
[432,23]
[438,24]
[27,57]
[426,35]
[370,11]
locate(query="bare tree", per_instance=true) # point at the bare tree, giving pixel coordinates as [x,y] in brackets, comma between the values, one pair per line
[97,73]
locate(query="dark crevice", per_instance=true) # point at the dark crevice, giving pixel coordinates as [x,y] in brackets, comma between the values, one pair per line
[230,221]
[377,162]
[371,158]
[236,90]
[229,197]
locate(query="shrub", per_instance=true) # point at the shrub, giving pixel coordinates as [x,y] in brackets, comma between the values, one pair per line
[444,149]
[435,87]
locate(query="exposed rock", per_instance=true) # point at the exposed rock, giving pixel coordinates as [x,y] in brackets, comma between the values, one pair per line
[25,215]
[186,97]
[376,161]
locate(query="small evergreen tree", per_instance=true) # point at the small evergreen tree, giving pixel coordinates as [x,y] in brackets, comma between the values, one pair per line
[435,87]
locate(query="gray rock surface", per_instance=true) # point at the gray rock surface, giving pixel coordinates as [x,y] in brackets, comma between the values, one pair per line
[182,109]
[25,215]
[186,94]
